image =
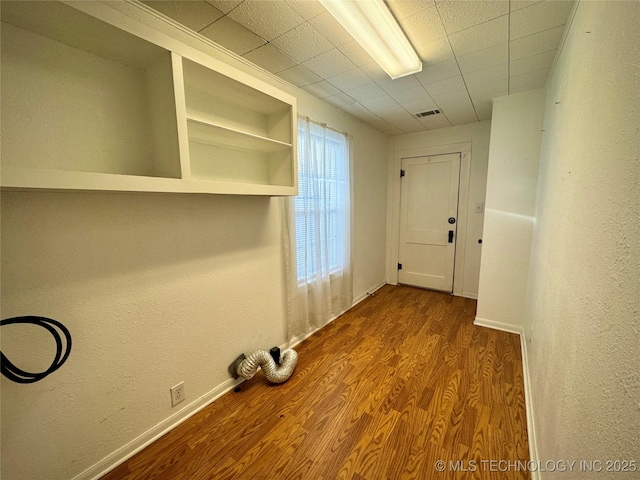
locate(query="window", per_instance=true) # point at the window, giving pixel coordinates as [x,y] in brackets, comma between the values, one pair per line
[322,206]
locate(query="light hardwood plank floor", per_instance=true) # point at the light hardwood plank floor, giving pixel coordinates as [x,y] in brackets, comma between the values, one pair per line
[402,380]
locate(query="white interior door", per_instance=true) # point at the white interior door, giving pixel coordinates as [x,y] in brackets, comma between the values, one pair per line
[428,221]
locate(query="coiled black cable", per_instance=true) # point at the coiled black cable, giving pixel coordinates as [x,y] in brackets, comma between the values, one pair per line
[9,370]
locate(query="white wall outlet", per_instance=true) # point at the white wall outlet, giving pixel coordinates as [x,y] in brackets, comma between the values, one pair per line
[177,394]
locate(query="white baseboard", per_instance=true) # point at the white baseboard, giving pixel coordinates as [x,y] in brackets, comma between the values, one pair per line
[301,338]
[124,453]
[472,296]
[531,429]
[531,432]
[505,327]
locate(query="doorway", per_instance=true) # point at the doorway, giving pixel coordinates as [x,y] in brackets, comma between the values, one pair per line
[429,193]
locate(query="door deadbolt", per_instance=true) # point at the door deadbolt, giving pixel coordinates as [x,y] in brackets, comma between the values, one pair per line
[452,220]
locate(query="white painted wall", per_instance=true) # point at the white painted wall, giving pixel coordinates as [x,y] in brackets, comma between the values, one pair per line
[476,137]
[583,320]
[156,289]
[514,152]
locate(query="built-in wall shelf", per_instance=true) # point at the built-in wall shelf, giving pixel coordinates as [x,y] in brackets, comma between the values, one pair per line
[210,134]
[92,100]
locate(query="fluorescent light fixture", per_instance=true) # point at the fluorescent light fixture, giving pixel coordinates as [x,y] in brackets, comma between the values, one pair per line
[372,25]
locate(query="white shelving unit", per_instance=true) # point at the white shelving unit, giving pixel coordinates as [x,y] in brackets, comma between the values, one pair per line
[95,101]
[235,131]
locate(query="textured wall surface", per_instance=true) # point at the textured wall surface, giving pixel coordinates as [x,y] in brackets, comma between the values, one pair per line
[584,306]
[155,289]
[512,179]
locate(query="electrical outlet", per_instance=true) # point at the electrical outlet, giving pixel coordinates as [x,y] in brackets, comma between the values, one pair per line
[177,394]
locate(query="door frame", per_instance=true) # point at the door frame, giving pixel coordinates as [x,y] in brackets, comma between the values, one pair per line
[393,237]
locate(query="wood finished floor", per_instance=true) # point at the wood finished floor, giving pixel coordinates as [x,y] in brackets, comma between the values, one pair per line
[400,381]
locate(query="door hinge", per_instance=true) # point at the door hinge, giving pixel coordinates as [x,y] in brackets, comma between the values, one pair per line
[401,173]
[399,266]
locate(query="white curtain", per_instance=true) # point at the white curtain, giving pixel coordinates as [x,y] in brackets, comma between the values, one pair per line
[318,230]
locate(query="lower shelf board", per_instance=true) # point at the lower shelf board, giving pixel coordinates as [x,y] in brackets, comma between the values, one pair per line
[18,178]
[210,134]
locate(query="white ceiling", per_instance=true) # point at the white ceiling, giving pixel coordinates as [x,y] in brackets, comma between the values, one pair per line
[472,51]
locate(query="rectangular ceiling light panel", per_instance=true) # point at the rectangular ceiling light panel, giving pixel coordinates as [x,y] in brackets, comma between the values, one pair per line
[372,25]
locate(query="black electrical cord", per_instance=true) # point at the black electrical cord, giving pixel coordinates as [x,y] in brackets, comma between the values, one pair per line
[9,370]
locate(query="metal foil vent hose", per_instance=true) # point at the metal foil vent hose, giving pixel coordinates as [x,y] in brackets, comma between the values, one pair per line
[248,367]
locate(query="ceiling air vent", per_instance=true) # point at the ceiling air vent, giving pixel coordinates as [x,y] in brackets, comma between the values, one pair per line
[427,113]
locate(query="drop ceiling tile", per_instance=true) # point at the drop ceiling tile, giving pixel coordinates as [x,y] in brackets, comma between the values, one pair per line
[270,58]
[399,84]
[481,36]
[391,131]
[423,27]
[539,17]
[195,15]
[230,34]
[460,15]
[419,106]
[366,116]
[528,81]
[457,107]
[267,19]
[462,116]
[408,125]
[357,110]
[439,71]
[370,117]
[458,99]
[483,108]
[354,52]
[225,6]
[340,100]
[540,42]
[403,121]
[367,92]
[321,89]
[331,29]
[350,80]
[489,57]
[487,75]
[329,64]
[413,127]
[302,43]
[307,9]
[380,124]
[299,76]
[405,8]
[488,91]
[410,95]
[482,96]
[400,116]
[518,4]
[375,72]
[384,105]
[435,51]
[542,61]
[445,86]
[433,122]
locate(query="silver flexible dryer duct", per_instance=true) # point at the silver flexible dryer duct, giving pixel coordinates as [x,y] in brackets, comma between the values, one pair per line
[262,359]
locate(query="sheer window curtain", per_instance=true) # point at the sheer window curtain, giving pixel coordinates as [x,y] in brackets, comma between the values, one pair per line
[317,230]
